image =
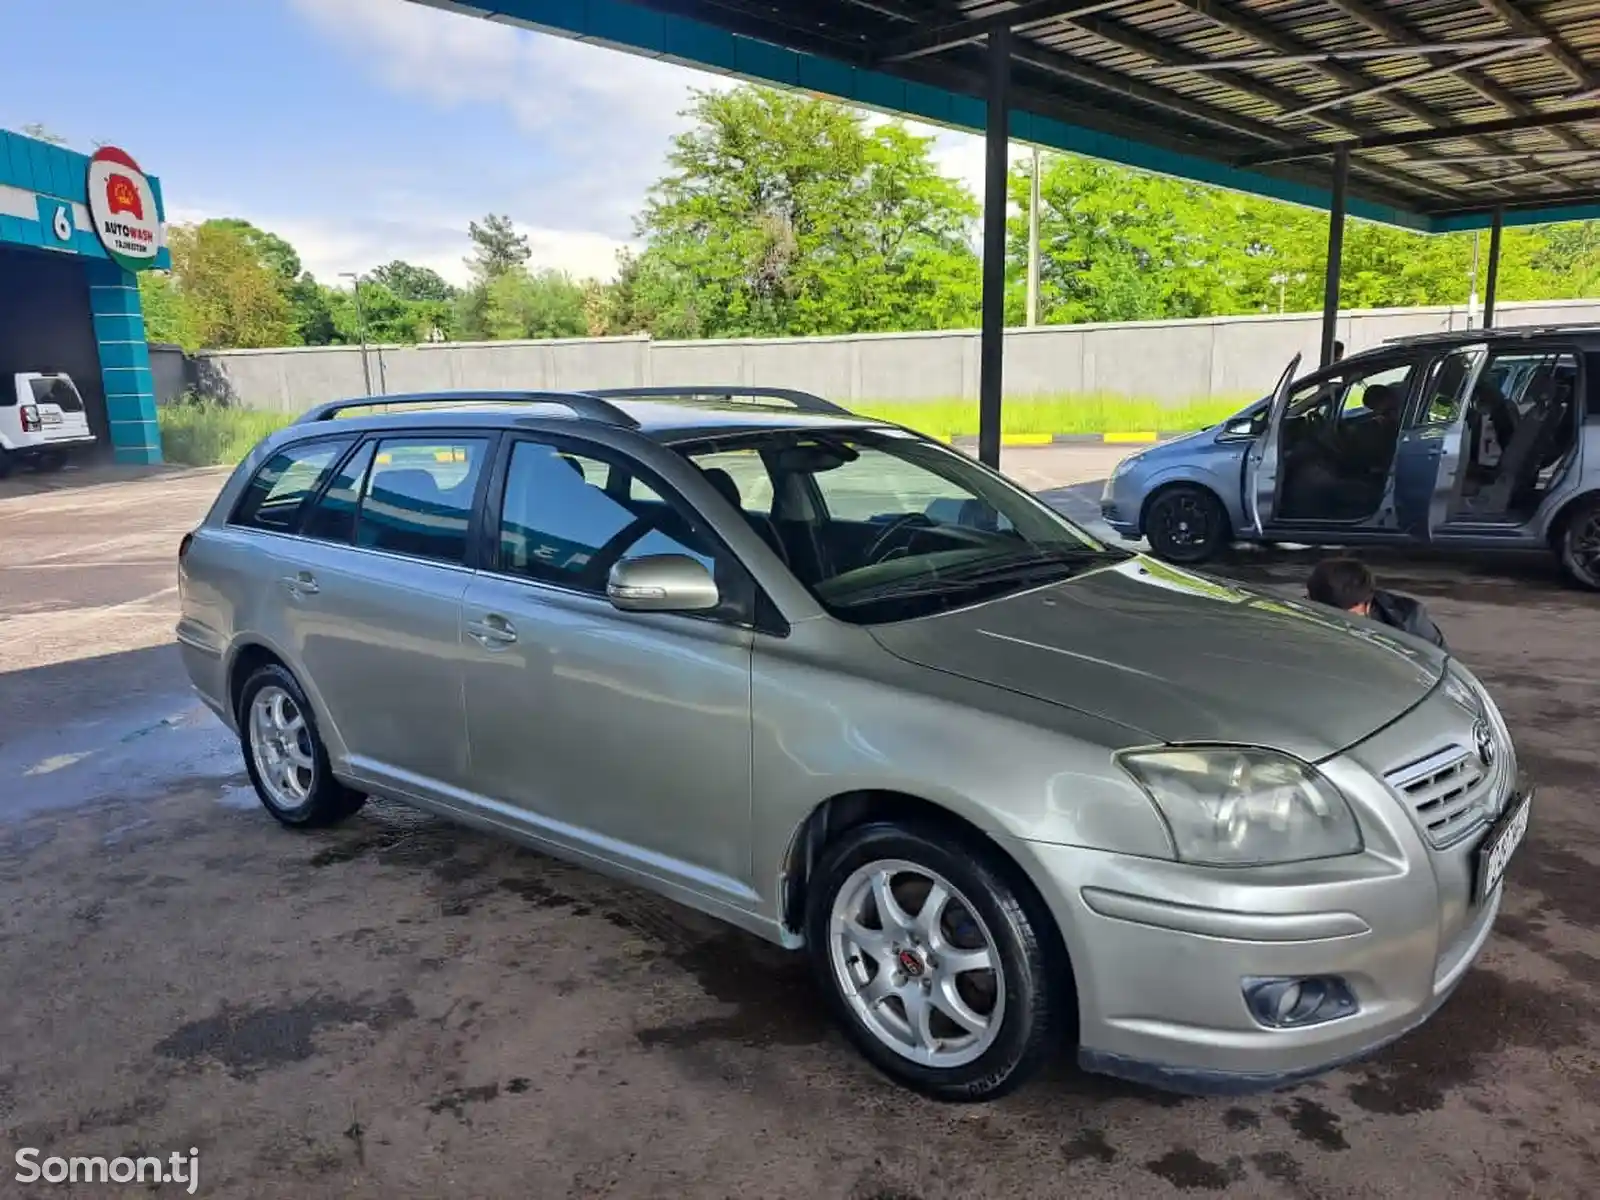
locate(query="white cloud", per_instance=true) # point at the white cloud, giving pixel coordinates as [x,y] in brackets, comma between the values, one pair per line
[602,119]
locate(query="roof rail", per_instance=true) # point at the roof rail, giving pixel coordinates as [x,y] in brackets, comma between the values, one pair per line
[580,404]
[804,401]
[1493,333]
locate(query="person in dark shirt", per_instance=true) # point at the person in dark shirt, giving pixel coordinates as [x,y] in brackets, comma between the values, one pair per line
[1347,583]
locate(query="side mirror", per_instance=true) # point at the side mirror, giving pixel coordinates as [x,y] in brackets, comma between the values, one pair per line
[662,583]
[1239,427]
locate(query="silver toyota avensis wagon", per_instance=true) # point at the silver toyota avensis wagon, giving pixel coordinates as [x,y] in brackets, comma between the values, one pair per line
[849,690]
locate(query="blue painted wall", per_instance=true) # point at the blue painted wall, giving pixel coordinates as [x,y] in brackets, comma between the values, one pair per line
[37,181]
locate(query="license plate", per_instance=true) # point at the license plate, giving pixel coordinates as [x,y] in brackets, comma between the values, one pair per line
[51,418]
[1494,855]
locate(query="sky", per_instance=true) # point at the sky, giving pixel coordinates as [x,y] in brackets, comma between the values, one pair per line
[368,130]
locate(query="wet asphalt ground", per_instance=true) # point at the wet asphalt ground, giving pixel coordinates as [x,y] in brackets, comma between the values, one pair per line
[404,1008]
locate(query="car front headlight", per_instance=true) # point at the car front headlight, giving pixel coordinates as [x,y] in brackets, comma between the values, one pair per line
[1229,806]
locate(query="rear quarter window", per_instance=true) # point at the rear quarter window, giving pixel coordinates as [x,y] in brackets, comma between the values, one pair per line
[279,490]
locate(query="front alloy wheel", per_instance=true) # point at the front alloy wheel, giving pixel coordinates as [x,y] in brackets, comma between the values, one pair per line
[916,964]
[938,963]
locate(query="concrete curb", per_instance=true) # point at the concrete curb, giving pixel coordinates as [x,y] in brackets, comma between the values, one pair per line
[1139,438]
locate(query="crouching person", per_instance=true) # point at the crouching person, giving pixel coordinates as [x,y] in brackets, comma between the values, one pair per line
[1347,583]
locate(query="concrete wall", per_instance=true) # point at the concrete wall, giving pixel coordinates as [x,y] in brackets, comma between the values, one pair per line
[1173,361]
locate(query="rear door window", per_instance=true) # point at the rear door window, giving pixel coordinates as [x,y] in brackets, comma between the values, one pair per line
[419,496]
[333,517]
[279,491]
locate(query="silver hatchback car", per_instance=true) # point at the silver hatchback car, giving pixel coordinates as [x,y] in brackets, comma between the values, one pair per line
[849,690]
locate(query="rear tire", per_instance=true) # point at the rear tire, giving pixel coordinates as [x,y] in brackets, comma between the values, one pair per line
[7,461]
[1578,544]
[1185,524]
[50,461]
[959,1004]
[284,754]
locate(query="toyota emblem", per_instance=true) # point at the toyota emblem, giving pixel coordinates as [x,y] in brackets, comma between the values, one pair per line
[1484,738]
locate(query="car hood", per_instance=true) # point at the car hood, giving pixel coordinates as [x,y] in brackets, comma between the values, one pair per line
[1177,657]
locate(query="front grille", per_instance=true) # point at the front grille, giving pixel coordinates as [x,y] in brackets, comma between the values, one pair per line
[1451,791]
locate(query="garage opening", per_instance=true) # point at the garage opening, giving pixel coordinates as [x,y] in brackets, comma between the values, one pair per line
[46,325]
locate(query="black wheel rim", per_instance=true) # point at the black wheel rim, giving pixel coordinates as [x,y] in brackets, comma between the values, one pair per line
[1185,522]
[1583,546]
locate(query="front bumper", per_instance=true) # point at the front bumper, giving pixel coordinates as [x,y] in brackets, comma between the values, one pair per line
[1161,954]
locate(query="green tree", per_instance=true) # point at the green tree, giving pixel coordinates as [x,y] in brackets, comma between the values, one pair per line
[497,247]
[43,133]
[231,299]
[277,255]
[414,283]
[166,312]
[311,306]
[784,214]
[540,304]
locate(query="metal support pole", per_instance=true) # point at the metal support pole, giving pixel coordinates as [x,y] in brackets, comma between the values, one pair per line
[361,327]
[991,351]
[1330,284]
[1493,274]
[1033,243]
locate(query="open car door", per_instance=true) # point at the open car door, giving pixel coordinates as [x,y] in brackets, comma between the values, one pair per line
[1262,463]
[1429,455]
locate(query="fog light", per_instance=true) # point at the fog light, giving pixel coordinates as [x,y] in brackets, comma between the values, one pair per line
[1297,1002]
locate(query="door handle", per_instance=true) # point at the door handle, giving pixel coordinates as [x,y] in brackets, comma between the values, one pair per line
[303,583]
[492,631]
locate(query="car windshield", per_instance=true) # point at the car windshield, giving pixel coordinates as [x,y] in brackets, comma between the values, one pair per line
[881,525]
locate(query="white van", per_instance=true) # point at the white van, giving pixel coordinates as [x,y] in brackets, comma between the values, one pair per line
[42,421]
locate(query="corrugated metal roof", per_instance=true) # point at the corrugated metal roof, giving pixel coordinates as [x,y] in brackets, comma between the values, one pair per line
[1230,80]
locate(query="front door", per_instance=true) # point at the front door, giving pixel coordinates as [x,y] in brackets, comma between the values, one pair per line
[1427,461]
[625,735]
[373,590]
[1262,460]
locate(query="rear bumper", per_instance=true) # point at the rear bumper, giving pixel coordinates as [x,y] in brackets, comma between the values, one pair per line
[55,446]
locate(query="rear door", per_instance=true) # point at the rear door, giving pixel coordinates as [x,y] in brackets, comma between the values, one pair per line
[371,594]
[61,412]
[1428,457]
[1263,460]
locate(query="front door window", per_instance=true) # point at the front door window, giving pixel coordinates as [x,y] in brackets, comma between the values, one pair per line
[1339,438]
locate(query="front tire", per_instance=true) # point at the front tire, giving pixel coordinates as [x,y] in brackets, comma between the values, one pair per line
[284,754]
[1578,545]
[1185,524]
[932,962]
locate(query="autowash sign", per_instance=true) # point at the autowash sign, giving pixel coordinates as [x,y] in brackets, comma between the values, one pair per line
[122,205]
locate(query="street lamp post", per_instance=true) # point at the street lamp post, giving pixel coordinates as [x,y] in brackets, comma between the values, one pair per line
[361,328]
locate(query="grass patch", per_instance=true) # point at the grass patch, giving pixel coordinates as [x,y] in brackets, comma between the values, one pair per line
[1063,413]
[202,433]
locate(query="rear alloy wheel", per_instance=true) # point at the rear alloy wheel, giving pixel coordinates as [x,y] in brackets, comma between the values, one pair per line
[1185,524]
[284,755]
[931,962]
[1579,546]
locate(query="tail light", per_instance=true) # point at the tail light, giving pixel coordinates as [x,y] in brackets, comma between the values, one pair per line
[30,419]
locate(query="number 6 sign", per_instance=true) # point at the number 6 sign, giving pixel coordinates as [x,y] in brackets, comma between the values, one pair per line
[63,224]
